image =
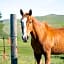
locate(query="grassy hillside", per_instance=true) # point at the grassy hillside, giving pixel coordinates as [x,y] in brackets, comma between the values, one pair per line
[52,18]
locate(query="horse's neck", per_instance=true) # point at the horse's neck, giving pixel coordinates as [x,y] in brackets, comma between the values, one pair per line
[36,29]
[38,32]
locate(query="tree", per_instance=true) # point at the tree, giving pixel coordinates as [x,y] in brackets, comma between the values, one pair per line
[0,15]
[1,25]
[2,33]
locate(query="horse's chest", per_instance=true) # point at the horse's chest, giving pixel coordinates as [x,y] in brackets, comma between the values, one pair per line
[36,46]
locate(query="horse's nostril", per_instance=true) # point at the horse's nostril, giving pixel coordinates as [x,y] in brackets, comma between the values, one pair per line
[24,39]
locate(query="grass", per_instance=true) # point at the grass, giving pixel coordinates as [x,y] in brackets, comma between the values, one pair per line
[25,54]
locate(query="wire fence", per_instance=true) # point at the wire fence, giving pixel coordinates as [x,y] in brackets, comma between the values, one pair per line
[25,53]
[4,50]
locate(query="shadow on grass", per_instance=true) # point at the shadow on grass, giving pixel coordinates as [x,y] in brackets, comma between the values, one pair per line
[62,58]
[58,56]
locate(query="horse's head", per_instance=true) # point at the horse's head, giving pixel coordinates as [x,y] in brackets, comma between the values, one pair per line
[26,24]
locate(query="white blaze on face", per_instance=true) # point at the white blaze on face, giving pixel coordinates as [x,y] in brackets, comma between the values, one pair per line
[24,25]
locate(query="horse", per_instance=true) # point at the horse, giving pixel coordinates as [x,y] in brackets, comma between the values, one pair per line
[45,40]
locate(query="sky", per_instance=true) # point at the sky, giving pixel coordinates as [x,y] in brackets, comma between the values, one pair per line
[39,7]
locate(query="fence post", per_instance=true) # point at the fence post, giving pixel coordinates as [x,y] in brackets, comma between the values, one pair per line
[13,34]
[4,45]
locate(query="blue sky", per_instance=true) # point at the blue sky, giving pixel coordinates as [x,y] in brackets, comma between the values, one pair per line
[39,7]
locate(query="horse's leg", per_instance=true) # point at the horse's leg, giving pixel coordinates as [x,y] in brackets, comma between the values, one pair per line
[47,57]
[37,57]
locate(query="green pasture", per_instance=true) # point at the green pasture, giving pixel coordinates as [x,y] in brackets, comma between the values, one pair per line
[25,52]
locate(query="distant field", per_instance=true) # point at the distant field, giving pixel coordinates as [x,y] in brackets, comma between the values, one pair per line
[25,52]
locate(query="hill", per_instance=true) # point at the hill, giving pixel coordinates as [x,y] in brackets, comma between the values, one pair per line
[52,18]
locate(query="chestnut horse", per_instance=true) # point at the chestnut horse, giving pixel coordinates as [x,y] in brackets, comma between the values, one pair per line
[44,39]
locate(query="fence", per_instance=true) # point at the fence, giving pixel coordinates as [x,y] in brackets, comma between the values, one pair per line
[8,56]
[13,35]
[4,49]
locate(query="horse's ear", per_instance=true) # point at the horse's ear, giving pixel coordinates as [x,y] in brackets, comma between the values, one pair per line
[30,12]
[21,12]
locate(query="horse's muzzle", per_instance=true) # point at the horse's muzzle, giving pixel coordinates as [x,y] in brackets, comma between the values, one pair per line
[25,38]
